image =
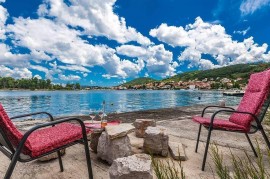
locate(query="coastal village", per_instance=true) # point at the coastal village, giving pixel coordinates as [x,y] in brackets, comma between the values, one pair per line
[205,84]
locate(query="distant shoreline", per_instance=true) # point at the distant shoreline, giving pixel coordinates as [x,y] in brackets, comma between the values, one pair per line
[10,90]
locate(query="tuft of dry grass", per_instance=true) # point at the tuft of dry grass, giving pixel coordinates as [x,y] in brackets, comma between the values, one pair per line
[247,167]
[169,169]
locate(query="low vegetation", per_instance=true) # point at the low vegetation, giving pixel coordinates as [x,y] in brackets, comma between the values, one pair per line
[139,81]
[168,169]
[232,72]
[34,83]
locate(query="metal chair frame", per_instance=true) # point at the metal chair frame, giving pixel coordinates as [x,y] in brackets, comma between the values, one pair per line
[258,126]
[14,154]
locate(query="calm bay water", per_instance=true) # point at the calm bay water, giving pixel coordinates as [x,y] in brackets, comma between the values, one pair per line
[62,103]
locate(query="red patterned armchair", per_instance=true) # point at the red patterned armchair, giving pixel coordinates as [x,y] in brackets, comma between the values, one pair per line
[247,118]
[41,140]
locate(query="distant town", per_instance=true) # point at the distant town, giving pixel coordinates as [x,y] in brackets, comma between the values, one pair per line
[205,84]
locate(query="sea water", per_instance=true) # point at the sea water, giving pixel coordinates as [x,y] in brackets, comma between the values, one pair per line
[63,103]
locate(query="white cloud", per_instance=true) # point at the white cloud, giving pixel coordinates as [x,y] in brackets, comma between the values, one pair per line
[69,77]
[241,32]
[95,17]
[15,72]
[92,82]
[57,40]
[74,68]
[9,58]
[121,68]
[250,6]
[158,60]
[38,77]
[202,38]
[131,50]
[45,36]
[3,18]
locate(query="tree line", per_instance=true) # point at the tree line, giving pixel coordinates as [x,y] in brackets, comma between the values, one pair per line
[34,83]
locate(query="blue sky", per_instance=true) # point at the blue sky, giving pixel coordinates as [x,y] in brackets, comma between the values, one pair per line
[109,42]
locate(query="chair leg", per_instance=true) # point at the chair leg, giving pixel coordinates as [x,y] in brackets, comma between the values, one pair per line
[198,138]
[206,148]
[251,145]
[265,137]
[11,167]
[87,153]
[60,161]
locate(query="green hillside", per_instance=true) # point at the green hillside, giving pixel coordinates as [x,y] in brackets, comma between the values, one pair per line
[231,72]
[139,81]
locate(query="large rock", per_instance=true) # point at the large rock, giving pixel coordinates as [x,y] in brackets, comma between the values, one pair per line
[142,124]
[156,141]
[136,143]
[177,151]
[137,166]
[111,149]
[119,130]
[51,156]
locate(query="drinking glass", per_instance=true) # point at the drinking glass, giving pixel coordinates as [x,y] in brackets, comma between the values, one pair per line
[92,115]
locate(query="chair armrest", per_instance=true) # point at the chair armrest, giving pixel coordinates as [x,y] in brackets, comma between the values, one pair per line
[52,123]
[233,111]
[224,107]
[32,114]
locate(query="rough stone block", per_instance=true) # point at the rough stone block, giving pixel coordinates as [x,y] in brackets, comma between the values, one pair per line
[111,149]
[156,141]
[142,124]
[137,166]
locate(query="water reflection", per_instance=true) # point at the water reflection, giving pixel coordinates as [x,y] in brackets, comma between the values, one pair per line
[80,102]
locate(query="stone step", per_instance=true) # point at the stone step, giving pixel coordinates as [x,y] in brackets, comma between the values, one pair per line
[177,151]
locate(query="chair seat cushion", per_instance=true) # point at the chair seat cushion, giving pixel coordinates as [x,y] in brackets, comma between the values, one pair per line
[47,139]
[220,124]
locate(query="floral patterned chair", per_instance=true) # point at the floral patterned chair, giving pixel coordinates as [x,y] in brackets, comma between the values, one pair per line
[41,140]
[247,118]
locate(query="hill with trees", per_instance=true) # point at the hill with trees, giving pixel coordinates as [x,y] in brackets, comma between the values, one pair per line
[139,81]
[232,72]
[234,76]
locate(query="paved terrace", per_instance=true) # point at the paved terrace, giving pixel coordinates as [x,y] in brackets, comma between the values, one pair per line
[180,128]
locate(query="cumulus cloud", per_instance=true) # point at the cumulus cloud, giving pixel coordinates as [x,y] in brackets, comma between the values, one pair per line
[69,77]
[3,18]
[74,68]
[95,17]
[202,38]
[250,6]
[54,40]
[158,60]
[15,72]
[123,68]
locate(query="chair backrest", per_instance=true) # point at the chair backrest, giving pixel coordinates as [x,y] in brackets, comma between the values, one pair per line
[254,100]
[10,136]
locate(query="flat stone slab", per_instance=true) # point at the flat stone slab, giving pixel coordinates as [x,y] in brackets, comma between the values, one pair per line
[177,151]
[119,130]
[137,166]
